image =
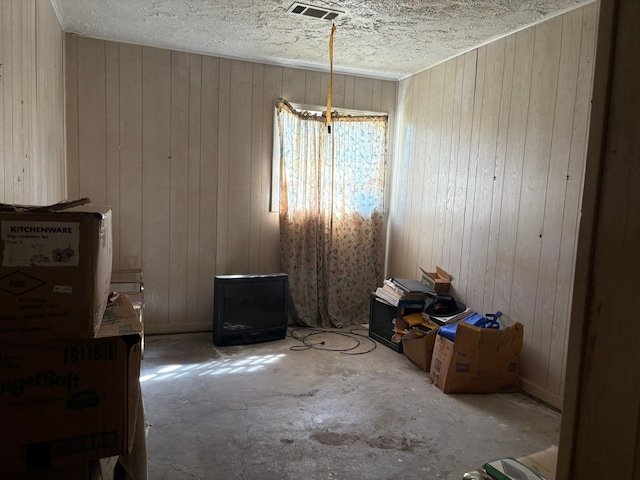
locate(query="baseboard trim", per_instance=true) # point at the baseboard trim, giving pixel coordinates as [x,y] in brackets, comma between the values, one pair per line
[552,399]
[177,328]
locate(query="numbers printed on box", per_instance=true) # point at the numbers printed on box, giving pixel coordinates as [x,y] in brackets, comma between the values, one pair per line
[103,352]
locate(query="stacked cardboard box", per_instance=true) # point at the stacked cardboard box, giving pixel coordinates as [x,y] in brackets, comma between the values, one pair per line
[69,362]
[480,360]
[55,269]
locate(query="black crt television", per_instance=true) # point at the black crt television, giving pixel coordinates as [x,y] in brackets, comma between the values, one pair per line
[250,308]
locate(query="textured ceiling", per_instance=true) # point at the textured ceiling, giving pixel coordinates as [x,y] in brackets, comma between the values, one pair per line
[378,38]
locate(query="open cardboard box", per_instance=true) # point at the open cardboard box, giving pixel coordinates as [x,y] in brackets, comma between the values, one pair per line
[418,347]
[439,281]
[481,360]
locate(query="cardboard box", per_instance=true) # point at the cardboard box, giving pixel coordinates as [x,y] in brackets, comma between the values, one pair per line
[418,349]
[70,402]
[78,471]
[55,269]
[120,318]
[440,281]
[481,360]
[542,463]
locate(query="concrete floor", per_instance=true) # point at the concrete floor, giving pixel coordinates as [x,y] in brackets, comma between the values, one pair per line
[266,411]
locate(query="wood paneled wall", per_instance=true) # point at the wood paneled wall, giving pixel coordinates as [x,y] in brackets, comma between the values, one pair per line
[32,147]
[600,431]
[180,145]
[487,184]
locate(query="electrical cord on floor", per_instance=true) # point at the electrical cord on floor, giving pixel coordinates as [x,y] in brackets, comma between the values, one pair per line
[309,332]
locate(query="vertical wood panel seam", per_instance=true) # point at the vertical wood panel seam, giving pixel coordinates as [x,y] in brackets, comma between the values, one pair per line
[63,63]
[119,153]
[493,188]
[189,186]
[575,103]
[2,102]
[409,198]
[170,273]
[18,111]
[457,159]
[226,139]
[228,159]
[199,246]
[260,156]
[120,166]
[568,166]
[187,195]
[506,150]
[29,53]
[544,206]
[199,237]
[513,69]
[577,220]
[252,173]
[477,151]
[494,160]
[77,119]
[468,153]
[28,174]
[106,124]
[524,145]
[419,163]
[8,134]
[142,154]
[439,163]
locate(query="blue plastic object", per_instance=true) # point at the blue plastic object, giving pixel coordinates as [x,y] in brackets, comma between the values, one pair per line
[489,320]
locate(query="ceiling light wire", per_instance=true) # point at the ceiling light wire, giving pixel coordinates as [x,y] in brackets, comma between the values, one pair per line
[330,90]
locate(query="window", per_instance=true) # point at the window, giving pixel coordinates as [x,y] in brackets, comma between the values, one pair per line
[344,170]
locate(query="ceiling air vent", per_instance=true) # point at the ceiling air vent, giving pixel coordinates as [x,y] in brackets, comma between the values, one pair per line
[314,11]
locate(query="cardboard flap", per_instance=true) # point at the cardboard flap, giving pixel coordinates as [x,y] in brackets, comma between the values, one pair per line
[543,462]
[120,318]
[439,280]
[481,360]
[82,205]
[507,340]
[65,204]
[442,274]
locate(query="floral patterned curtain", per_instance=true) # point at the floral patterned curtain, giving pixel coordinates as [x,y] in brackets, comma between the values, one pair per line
[331,213]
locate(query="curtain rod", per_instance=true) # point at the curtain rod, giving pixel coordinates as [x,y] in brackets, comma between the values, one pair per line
[321,110]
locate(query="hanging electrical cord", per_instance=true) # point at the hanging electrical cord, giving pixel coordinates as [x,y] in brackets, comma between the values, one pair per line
[309,332]
[330,90]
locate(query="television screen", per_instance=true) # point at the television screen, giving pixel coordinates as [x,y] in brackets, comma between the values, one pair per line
[250,308]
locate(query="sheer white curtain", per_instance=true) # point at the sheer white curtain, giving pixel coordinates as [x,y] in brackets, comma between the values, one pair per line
[331,213]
